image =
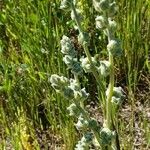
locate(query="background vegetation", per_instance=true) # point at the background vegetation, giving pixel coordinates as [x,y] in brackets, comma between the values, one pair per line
[32,115]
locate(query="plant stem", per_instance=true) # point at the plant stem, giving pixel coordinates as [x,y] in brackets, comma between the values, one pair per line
[78,82]
[110,89]
[85,47]
[86,116]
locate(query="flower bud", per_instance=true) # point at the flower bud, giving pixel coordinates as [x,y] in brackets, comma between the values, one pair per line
[118,92]
[87,137]
[85,141]
[76,68]
[112,25]
[114,47]
[81,95]
[106,136]
[73,110]
[112,9]
[101,22]
[86,64]
[82,123]
[58,82]
[67,47]
[104,5]
[117,96]
[68,93]
[68,60]
[74,85]
[104,68]
[65,4]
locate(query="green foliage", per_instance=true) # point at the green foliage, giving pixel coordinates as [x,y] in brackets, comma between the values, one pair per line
[30,34]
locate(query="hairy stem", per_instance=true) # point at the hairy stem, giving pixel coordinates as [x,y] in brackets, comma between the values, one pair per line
[86,116]
[110,92]
[85,47]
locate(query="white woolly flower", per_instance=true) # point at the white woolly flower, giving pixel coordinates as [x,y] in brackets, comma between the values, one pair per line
[85,141]
[101,5]
[73,110]
[113,9]
[112,25]
[104,68]
[58,82]
[114,47]
[67,47]
[117,96]
[66,4]
[81,94]
[85,64]
[68,60]
[101,22]
[74,85]
[82,123]
[106,136]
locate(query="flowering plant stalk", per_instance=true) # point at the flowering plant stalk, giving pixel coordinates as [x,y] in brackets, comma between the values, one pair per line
[106,136]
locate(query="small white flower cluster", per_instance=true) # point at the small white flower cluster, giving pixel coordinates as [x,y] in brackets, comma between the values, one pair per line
[61,85]
[105,6]
[118,96]
[86,64]
[69,88]
[114,47]
[85,141]
[103,67]
[70,58]
[106,136]
[82,123]
[107,23]
[73,110]
[65,4]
